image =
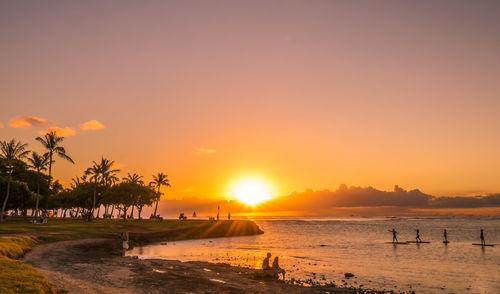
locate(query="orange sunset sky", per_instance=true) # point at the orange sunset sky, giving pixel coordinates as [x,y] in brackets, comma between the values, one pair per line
[302,94]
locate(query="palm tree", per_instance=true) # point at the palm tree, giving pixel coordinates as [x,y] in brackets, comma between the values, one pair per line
[159,180]
[133,178]
[52,143]
[101,173]
[11,151]
[94,173]
[39,163]
[108,176]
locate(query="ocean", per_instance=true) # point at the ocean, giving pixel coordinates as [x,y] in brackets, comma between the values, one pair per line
[324,249]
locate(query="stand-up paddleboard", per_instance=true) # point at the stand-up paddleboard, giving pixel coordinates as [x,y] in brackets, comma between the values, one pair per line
[478,244]
[446,242]
[397,243]
[420,242]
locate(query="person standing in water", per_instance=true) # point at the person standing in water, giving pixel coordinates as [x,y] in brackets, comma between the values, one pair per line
[229,216]
[394,236]
[482,238]
[124,238]
[418,236]
[445,234]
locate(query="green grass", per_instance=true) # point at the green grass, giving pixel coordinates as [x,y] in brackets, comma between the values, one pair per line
[19,277]
[141,231]
[18,236]
[16,246]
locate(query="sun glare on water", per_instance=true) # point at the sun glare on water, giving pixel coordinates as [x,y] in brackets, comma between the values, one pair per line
[251,191]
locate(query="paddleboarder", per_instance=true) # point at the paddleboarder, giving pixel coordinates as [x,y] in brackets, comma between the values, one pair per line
[445,234]
[394,236]
[482,238]
[418,237]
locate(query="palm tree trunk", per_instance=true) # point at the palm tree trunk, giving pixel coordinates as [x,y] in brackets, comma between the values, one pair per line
[139,209]
[112,209]
[132,212]
[93,201]
[50,180]
[124,213]
[4,205]
[37,192]
[157,200]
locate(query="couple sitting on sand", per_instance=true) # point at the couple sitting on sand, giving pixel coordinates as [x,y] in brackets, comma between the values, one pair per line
[275,269]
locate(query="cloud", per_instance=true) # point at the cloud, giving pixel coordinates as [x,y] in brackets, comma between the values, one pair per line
[205,150]
[28,122]
[91,125]
[118,165]
[345,197]
[64,132]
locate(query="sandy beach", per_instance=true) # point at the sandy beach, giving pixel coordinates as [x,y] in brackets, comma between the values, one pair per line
[95,266]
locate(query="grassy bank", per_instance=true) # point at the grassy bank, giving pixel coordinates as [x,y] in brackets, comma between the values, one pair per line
[19,236]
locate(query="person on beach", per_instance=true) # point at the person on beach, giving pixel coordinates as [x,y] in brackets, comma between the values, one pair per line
[445,234]
[277,269]
[417,239]
[265,263]
[482,238]
[394,236]
[229,216]
[124,238]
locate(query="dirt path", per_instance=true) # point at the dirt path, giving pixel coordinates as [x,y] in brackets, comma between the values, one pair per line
[95,266]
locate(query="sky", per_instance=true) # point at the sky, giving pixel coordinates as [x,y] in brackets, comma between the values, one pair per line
[301,94]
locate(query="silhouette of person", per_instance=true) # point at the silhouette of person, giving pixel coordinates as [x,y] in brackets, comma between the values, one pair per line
[277,269]
[229,216]
[482,238]
[418,236]
[218,209]
[394,236]
[265,263]
[445,234]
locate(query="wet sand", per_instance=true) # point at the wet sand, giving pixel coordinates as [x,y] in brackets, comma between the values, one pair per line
[96,266]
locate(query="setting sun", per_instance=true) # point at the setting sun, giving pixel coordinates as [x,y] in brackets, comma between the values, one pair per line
[251,191]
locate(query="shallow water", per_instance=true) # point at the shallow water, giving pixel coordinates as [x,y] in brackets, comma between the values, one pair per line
[323,249]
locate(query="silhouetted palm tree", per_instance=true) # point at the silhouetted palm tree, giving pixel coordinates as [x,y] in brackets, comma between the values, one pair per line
[101,172]
[11,151]
[136,179]
[52,143]
[159,180]
[133,178]
[39,163]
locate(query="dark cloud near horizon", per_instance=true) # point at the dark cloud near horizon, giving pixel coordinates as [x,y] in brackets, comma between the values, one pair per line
[371,197]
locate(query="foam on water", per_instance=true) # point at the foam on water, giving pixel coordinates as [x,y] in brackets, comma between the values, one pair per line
[325,249]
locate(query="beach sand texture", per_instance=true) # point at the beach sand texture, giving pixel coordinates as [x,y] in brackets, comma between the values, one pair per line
[95,266]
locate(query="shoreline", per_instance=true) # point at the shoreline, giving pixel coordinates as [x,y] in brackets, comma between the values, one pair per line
[96,266]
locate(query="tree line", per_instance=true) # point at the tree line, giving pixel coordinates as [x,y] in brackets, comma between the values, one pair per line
[26,183]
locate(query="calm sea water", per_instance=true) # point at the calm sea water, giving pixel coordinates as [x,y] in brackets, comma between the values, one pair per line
[323,249]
